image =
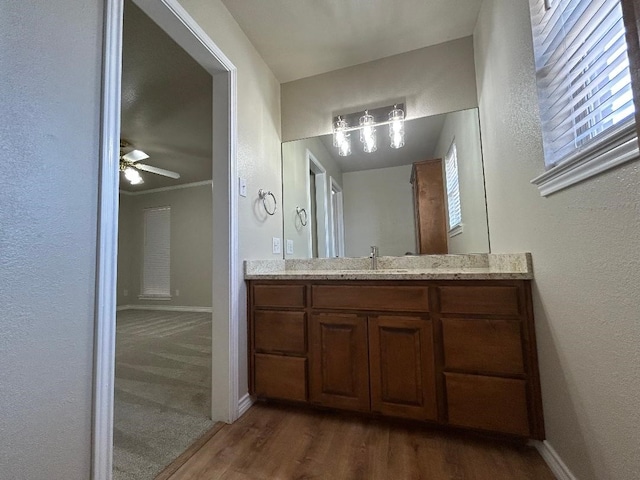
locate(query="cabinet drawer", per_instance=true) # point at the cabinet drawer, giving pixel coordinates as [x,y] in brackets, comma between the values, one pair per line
[279,332]
[488,403]
[487,300]
[371,297]
[279,296]
[480,345]
[281,377]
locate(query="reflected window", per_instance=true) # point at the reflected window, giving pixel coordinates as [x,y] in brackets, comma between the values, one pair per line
[453,187]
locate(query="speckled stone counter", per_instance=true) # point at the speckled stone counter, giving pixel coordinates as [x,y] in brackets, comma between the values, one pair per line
[483,266]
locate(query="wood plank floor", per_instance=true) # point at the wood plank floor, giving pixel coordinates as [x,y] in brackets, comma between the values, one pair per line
[284,443]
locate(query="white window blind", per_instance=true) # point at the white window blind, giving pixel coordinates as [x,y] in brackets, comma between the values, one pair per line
[156,252]
[453,187]
[582,69]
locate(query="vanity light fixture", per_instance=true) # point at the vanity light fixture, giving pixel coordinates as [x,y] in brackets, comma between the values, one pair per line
[366,122]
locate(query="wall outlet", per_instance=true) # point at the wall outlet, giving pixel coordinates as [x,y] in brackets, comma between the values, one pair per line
[125,292]
[242,183]
[289,247]
[177,292]
[276,245]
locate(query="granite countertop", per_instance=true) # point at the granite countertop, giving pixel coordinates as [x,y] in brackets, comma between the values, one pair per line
[483,266]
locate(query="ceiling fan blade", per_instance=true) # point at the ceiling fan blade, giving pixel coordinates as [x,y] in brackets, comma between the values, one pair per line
[135,156]
[159,171]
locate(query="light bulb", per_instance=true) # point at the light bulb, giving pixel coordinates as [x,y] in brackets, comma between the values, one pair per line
[396,127]
[368,132]
[344,149]
[339,134]
[133,176]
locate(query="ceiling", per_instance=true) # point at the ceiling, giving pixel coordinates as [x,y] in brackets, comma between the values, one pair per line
[301,38]
[166,104]
[421,137]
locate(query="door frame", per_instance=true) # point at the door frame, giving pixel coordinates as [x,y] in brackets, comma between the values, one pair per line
[183,29]
[322,213]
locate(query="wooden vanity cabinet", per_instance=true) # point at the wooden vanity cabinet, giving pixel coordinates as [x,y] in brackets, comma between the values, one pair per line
[339,361]
[278,342]
[459,353]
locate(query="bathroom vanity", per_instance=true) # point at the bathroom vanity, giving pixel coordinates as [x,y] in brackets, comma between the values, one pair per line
[446,339]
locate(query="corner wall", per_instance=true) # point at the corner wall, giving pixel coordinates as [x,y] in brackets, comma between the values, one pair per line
[464,128]
[258,151]
[584,242]
[50,87]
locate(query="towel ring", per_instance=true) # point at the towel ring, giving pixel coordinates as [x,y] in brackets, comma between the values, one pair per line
[263,194]
[300,211]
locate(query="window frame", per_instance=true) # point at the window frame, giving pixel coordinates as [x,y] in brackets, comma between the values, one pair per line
[458,227]
[615,148]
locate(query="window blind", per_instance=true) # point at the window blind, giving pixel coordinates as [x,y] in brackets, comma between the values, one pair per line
[453,187]
[156,252]
[582,70]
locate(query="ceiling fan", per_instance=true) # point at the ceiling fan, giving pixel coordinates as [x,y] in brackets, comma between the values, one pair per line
[129,158]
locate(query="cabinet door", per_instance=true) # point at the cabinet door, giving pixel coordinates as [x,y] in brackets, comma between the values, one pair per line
[402,367]
[339,369]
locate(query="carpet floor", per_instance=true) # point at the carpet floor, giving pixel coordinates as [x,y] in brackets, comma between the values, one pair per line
[162,389]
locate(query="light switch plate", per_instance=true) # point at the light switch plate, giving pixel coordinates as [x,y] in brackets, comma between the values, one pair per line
[276,245]
[289,247]
[242,182]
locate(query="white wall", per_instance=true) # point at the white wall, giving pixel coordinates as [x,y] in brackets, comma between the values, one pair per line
[191,246]
[295,176]
[584,242]
[464,127]
[258,146]
[50,54]
[430,81]
[378,210]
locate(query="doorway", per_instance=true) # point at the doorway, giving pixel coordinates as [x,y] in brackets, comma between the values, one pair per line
[178,24]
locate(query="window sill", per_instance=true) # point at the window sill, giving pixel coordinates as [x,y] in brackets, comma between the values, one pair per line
[572,172]
[457,230]
[154,297]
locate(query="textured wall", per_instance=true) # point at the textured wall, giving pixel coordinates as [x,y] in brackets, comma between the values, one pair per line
[584,242]
[258,143]
[50,54]
[464,127]
[431,80]
[378,210]
[191,245]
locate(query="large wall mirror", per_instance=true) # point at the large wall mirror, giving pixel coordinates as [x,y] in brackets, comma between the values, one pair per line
[337,206]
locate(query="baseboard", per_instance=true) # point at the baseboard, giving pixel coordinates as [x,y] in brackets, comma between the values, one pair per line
[244,404]
[165,308]
[555,463]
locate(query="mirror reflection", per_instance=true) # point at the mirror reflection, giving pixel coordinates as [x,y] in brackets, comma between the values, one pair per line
[426,197]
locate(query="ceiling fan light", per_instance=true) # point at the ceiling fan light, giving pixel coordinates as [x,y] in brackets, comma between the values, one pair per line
[133,176]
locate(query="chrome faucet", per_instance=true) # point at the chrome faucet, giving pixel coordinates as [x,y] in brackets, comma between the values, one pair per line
[374,257]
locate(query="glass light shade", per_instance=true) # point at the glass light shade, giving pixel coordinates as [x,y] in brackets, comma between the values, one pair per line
[368,132]
[339,134]
[133,176]
[344,149]
[396,128]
